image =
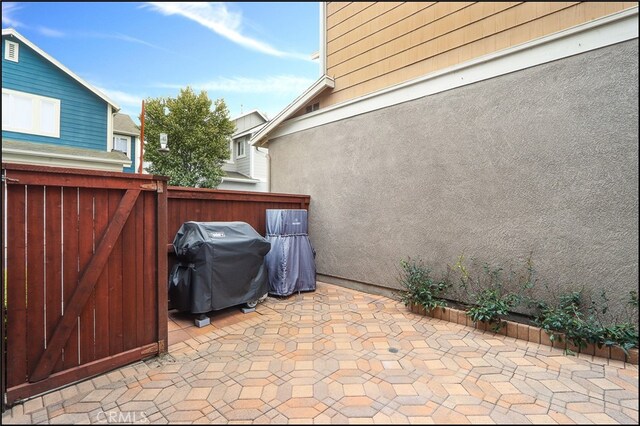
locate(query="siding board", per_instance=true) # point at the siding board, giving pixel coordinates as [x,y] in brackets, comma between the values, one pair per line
[374,53]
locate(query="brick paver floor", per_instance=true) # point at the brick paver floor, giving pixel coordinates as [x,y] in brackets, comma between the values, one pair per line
[340,356]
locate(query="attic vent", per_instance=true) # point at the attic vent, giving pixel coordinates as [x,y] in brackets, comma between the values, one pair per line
[11,50]
[311,108]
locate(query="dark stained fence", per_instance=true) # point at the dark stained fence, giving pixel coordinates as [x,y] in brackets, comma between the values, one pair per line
[216,205]
[85,274]
[87,258]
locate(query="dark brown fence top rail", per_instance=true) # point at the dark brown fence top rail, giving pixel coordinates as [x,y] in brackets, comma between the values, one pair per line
[80,172]
[233,195]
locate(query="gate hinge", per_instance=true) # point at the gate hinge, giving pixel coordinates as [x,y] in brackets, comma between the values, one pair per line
[6,178]
[151,185]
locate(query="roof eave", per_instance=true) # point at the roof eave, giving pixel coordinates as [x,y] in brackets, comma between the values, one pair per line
[14,33]
[324,82]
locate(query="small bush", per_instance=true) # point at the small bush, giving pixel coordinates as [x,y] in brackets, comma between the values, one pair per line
[491,293]
[582,325]
[419,287]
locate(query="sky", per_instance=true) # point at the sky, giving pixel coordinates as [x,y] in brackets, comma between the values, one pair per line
[254,56]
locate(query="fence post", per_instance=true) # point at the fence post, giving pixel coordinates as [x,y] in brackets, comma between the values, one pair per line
[163,276]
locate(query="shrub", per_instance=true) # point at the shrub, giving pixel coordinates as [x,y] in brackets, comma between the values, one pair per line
[419,287]
[491,293]
[583,325]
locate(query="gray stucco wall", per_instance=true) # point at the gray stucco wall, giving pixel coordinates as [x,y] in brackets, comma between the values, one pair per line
[544,160]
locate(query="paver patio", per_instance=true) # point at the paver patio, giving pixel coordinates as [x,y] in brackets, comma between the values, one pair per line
[341,356]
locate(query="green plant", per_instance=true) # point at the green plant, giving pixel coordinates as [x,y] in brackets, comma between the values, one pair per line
[491,293]
[581,325]
[419,287]
[491,306]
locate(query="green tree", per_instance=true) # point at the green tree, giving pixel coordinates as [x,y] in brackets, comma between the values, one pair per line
[198,138]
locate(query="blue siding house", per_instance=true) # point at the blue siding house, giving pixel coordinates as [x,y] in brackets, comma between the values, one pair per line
[50,116]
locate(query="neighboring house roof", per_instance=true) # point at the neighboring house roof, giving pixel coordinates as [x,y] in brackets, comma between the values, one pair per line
[255,111]
[316,88]
[249,131]
[32,149]
[124,125]
[237,177]
[14,33]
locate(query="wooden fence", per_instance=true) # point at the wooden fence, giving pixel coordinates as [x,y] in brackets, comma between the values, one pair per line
[87,258]
[85,274]
[211,205]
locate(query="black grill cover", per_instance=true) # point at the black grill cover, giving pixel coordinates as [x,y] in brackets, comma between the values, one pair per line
[220,264]
[291,261]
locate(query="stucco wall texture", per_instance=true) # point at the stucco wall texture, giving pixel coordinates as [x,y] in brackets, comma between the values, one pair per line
[544,160]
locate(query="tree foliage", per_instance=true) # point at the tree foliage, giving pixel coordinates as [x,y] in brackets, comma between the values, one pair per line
[198,138]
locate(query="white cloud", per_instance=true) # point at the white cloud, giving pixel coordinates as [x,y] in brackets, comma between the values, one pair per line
[216,17]
[8,10]
[122,98]
[49,32]
[277,85]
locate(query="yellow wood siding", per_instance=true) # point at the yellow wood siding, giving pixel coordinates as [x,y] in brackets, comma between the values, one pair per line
[375,45]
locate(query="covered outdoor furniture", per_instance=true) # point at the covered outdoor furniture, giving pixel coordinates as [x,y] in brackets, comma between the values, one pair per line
[291,261]
[220,264]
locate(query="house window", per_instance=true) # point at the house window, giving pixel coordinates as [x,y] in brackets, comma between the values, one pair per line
[32,114]
[311,108]
[121,143]
[240,152]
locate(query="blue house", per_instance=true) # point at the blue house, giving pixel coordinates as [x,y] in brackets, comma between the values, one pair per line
[50,116]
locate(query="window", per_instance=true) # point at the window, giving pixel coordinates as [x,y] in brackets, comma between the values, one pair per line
[311,108]
[121,143]
[32,114]
[240,149]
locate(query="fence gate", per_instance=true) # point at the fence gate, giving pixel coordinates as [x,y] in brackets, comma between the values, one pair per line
[84,268]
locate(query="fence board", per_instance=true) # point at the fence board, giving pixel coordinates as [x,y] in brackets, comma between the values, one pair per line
[36,279]
[85,252]
[150,307]
[70,267]
[115,285]
[139,265]
[128,284]
[101,198]
[53,241]
[16,295]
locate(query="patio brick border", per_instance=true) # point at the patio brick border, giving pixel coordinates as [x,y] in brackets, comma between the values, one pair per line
[526,332]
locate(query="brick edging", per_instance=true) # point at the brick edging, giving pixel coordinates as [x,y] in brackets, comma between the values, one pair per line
[528,333]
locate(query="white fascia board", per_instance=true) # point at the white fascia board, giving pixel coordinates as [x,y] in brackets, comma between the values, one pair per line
[125,133]
[14,33]
[228,179]
[322,83]
[79,158]
[606,31]
[248,131]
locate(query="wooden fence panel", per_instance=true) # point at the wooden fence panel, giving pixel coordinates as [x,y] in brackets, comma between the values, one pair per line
[82,265]
[211,205]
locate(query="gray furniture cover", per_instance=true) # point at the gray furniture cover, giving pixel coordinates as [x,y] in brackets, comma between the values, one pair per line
[220,264]
[291,261]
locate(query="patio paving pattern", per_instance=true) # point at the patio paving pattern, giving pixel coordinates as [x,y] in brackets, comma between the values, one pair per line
[337,355]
